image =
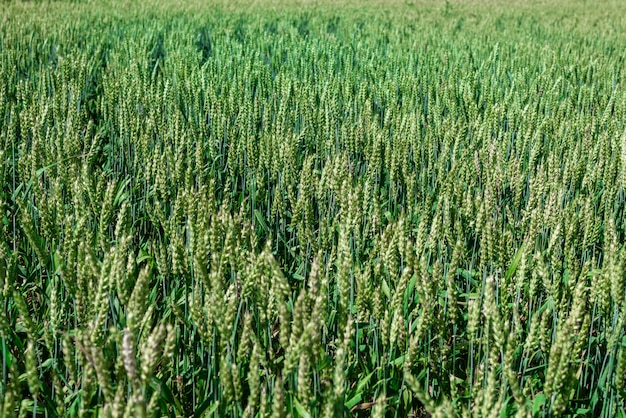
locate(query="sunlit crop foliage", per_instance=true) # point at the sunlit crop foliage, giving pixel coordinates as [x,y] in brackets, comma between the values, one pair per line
[312,209]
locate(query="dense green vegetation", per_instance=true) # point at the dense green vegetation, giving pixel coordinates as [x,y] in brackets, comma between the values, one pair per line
[322,210]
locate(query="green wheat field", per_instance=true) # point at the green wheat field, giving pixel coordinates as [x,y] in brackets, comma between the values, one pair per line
[313,209]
